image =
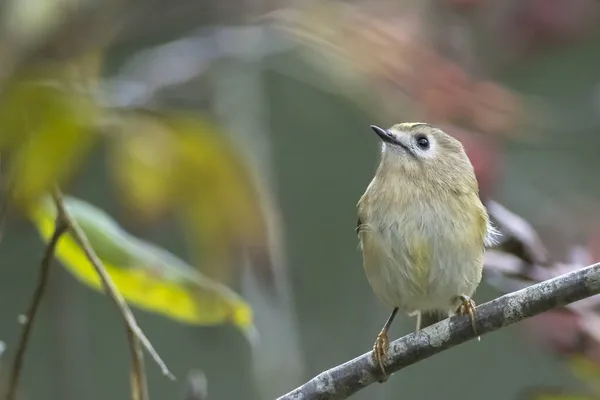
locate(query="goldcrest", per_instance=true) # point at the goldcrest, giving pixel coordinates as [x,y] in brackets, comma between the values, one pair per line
[422,228]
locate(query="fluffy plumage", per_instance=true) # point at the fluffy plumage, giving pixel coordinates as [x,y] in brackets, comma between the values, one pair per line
[422,226]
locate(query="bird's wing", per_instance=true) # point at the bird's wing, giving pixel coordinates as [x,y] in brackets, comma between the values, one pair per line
[486,230]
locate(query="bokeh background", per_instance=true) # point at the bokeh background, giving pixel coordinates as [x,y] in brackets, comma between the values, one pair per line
[282,94]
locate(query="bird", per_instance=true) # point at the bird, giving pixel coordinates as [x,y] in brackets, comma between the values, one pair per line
[422,228]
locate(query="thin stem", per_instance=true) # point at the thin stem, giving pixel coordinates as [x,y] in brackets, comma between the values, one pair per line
[139,386]
[109,285]
[60,228]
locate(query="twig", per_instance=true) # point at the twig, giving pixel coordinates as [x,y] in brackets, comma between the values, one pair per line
[139,386]
[352,376]
[60,228]
[109,286]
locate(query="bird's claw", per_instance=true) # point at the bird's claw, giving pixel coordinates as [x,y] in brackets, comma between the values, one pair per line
[380,351]
[467,306]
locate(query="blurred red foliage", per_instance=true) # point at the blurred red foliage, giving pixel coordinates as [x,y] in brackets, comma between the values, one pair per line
[537,23]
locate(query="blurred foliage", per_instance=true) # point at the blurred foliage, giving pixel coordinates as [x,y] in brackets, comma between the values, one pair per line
[182,163]
[393,55]
[571,332]
[164,163]
[46,127]
[586,370]
[560,396]
[395,60]
[146,275]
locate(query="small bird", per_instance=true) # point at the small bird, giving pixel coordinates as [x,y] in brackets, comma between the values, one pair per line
[422,228]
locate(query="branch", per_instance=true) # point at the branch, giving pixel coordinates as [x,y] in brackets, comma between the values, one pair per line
[115,295]
[139,384]
[352,376]
[60,228]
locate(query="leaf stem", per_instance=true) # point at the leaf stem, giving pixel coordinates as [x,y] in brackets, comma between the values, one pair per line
[61,227]
[114,294]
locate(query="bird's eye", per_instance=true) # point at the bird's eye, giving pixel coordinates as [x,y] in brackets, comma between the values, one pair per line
[422,142]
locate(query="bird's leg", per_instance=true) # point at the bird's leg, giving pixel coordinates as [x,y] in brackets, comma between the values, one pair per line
[467,306]
[380,348]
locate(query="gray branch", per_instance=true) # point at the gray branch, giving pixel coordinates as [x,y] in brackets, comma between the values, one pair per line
[344,380]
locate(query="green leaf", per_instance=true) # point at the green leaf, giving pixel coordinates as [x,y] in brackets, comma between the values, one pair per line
[147,276]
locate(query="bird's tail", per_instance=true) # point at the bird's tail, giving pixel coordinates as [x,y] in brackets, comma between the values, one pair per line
[427,318]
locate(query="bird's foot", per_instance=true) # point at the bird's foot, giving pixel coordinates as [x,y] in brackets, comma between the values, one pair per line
[467,306]
[380,352]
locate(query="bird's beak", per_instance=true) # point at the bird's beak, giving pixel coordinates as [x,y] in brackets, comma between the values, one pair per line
[389,137]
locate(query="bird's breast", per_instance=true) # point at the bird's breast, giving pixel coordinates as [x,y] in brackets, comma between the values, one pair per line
[419,256]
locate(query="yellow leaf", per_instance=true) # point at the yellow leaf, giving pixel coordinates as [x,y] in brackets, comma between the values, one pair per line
[184,164]
[142,163]
[57,142]
[587,370]
[147,276]
[562,396]
[27,99]
[46,127]
[220,206]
